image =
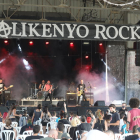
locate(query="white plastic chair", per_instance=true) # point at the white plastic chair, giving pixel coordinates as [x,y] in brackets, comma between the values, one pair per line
[53,125]
[2,125]
[43,135]
[29,132]
[40,124]
[67,128]
[76,133]
[22,137]
[7,134]
[118,137]
[14,124]
[18,130]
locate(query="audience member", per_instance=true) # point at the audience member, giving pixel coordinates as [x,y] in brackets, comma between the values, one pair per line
[64,119]
[53,117]
[134,135]
[66,136]
[138,133]
[123,129]
[28,125]
[4,117]
[8,126]
[37,115]
[73,128]
[123,109]
[12,113]
[132,118]
[45,118]
[22,120]
[83,126]
[35,136]
[0,117]
[89,118]
[53,134]
[110,134]
[115,122]
[60,129]
[99,123]
[122,115]
[71,115]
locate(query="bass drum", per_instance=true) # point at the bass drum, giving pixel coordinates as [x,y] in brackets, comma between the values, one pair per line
[40,95]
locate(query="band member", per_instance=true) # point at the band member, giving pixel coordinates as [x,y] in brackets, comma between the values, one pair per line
[81,88]
[2,93]
[48,88]
[42,85]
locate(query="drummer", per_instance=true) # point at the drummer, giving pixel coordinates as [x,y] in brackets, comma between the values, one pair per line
[41,86]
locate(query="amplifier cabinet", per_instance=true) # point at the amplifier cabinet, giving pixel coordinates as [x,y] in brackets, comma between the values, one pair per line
[71,99]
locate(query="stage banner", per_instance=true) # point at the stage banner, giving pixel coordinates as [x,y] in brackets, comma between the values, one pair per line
[69,31]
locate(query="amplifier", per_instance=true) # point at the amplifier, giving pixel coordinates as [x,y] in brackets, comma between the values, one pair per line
[71,99]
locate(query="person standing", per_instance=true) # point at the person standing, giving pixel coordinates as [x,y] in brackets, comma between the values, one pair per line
[42,85]
[2,93]
[81,88]
[47,89]
[115,122]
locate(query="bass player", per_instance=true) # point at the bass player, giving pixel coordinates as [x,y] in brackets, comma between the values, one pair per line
[2,93]
[81,88]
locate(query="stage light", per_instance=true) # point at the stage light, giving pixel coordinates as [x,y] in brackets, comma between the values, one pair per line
[47,42]
[6,42]
[71,44]
[31,43]
[26,64]
[86,56]
[100,44]
[2,60]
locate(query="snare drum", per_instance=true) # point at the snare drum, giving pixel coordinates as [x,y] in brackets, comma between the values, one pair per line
[40,95]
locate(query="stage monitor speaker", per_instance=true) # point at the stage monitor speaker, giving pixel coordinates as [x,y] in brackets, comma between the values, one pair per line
[99,103]
[137,54]
[9,102]
[46,103]
[84,103]
[60,104]
[81,111]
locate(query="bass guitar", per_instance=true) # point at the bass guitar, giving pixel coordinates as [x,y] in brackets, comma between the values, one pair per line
[1,90]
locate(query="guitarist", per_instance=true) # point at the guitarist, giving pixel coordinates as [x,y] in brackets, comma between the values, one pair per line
[48,88]
[2,94]
[81,88]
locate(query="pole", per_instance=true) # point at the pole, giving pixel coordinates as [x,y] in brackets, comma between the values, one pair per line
[107,94]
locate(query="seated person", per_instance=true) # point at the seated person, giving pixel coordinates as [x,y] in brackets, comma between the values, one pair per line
[28,126]
[123,129]
[134,135]
[83,126]
[4,117]
[9,127]
[60,129]
[66,136]
[35,136]
[64,119]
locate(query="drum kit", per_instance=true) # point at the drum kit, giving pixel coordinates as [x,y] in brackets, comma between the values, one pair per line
[36,93]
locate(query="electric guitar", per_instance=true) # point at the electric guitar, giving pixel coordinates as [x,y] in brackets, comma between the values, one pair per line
[79,93]
[1,90]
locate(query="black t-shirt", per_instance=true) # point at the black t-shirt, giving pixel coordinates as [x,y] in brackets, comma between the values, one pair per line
[2,85]
[84,127]
[122,110]
[132,137]
[33,137]
[26,128]
[81,87]
[64,121]
[115,118]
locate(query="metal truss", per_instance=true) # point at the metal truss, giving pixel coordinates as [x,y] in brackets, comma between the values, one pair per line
[90,12]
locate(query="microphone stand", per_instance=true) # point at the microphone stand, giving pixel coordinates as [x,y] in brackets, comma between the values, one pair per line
[90,92]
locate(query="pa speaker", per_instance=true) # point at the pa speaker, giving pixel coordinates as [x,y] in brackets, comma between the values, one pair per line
[84,103]
[60,104]
[46,103]
[99,103]
[9,102]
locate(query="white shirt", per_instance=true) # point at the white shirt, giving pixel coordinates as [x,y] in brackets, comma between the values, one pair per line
[121,124]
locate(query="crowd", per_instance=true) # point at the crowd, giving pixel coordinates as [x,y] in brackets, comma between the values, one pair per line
[99,126]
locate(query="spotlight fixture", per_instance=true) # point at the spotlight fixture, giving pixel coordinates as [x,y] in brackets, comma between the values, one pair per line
[71,44]
[31,43]
[5,42]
